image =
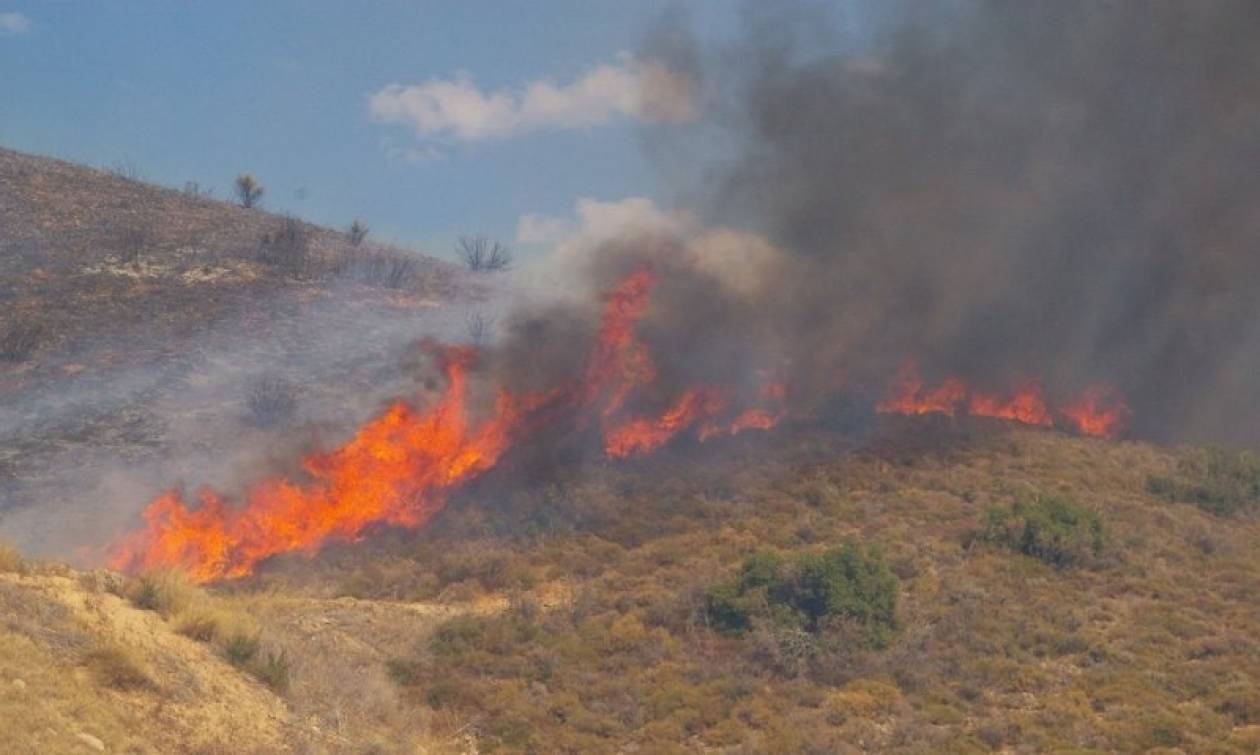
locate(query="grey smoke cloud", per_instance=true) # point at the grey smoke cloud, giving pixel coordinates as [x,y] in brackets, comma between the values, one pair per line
[1061,190]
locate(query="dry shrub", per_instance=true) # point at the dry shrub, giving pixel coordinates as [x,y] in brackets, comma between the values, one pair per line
[11,560]
[19,339]
[166,591]
[287,249]
[271,401]
[118,666]
[208,622]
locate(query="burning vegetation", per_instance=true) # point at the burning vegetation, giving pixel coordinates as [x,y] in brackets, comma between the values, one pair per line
[400,467]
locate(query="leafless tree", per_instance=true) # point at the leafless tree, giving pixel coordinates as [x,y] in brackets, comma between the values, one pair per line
[480,328]
[248,190]
[481,254]
[126,170]
[357,232]
[131,241]
[270,401]
[194,190]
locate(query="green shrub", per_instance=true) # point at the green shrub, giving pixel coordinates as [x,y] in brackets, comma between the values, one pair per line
[1055,530]
[240,649]
[1213,479]
[848,584]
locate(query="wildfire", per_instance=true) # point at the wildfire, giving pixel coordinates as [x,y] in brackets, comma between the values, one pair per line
[399,468]
[396,470]
[1100,412]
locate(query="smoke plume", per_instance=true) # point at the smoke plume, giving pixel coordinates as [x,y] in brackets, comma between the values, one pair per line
[999,191]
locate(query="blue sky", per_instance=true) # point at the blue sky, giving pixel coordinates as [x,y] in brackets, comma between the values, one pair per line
[202,91]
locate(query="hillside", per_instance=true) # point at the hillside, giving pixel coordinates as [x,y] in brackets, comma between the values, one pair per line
[576,615]
[146,331]
[846,582]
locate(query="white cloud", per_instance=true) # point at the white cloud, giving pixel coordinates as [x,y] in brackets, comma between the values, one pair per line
[12,24]
[458,109]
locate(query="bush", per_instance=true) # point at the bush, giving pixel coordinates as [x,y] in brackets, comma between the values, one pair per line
[130,241]
[273,670]
[1055,530]
[481,254]
[356,233]
[287,249]
[117,666]
[271,401]
[240,649]
[11,560]
[19,340]
[167,592]
[1214,479]
[849,584]
[248,190]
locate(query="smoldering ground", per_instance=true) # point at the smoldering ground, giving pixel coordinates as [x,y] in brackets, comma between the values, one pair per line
[90,451]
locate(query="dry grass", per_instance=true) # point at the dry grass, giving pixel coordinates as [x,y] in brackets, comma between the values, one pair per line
[996,650]
[118,666]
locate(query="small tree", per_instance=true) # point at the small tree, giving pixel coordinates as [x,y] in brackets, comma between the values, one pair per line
[248,190]
[357,232]
[481,254]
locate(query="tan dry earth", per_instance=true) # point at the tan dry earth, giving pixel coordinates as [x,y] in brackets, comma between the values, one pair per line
[52,699]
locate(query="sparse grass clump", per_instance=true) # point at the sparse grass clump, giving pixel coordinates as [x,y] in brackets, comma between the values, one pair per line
[19,339]
[1052,529]
[166,592]
[11,560]
[849,584]
[117,666]
[1214,479]
[287,249]
[270,402]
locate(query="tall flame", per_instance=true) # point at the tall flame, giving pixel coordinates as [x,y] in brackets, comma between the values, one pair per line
[396,470]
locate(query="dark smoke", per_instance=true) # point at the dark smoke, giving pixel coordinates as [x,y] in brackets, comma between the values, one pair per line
[1066,190]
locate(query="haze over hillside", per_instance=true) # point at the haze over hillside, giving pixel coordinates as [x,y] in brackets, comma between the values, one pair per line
[883,418]
[146,316]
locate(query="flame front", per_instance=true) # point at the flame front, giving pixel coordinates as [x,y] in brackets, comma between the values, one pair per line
[399,468]
[396,470]
[1099,413]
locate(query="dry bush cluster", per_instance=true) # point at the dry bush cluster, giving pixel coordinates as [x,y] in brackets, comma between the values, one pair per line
[287,249]
[1141,650]
[483,255]
[196,614]
[20,338]
[270,401]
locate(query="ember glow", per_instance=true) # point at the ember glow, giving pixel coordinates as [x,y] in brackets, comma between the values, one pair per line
[1099,413]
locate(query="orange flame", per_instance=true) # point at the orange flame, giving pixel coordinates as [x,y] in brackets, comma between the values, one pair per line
[1099,413]
[396,470]
[1027,406]
[910,398]
[645,435]
[400,467]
